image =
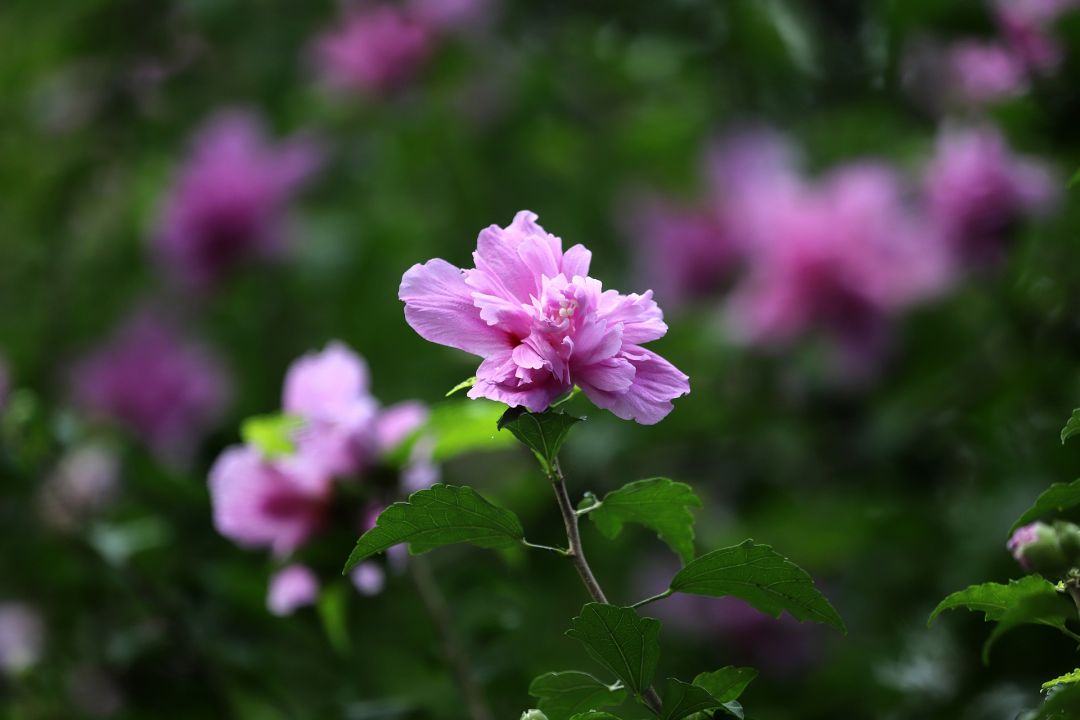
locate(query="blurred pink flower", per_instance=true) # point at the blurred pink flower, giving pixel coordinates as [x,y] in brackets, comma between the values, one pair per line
[276,503]
[1026,25]
[369,578]
[977,189]
[840,256]
[291,588]
[451,15]
[982,73]
[231,197]
[163,387]
[376,49]
[542,325]
[396,423]
[22,637]
[84,483]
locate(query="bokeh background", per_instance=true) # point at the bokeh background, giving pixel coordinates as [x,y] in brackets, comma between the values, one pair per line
[193,194]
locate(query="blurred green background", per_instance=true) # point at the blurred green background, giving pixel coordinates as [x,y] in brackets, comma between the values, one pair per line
[891,493]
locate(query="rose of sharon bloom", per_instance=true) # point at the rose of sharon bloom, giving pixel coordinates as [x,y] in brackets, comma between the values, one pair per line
[164,388]
[230,199]
[543,325]
[982,73]
[291,588]
[22,637]
[1026,25]
[976,189]
[374,51]
[276,503]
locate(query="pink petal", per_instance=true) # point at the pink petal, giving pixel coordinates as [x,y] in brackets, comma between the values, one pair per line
[291,588]
[641,317]
[326,385]
[576,261]
[397,422]
[648,401]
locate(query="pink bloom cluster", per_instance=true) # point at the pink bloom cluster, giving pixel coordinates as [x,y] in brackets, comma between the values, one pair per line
[161,386]
[843,253]
[542,325]
[230,200]
[379,47]
[281,502]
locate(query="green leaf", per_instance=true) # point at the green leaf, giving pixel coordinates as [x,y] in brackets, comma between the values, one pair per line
[1055,499]
[333,611]
[1066,679]
[995,599]
[1061,704]
[271,434]
[727,683]
[683,699]
[543,433]
[760,576]
[659,504]
[562,695]
[622,642]
[465,426]
[440,515]
[1072,427]
[595,715]
[463,385]
[1075,180]
[1050,609]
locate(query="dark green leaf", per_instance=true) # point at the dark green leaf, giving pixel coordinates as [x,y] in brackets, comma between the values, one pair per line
[622,642]
[594,715]
[1057,498]
[683,699]
[995,599]
[1061,704]
[271,434]
[760,576]
[727,683]
[543,433]
[657,503]
[440,515]
[564,694]
[1044,608]
[463,385]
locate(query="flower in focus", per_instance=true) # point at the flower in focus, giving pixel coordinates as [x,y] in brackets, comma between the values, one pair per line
[22,637]
[291,588]
[976,190]
[375,50]
[277,503]
[230,200]
[542,325]
[161,386]
[83,484]
[983,73]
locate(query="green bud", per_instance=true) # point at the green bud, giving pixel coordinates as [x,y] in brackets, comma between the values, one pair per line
[1069,538]
[1037,548]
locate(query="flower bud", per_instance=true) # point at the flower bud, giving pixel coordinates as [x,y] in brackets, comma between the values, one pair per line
[1037,548]
[1069,537]
[533,715]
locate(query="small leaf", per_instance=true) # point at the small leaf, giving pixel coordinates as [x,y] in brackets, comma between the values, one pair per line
[562,695]
[622,642]
[659,504]
[1055,499]
[543,433]
[440,515]
[463,385]
[995,599]
[727,683]
[1069,678]
[683,699]
[760,576]
[271,434]
[1052,610]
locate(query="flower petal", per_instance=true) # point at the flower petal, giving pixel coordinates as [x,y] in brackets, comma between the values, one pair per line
[648,400]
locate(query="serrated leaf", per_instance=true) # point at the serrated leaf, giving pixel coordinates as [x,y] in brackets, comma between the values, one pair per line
[463,385]
[727,683]
[1052,610]
[562,695]
[543,433]
[760,576]
[657,503]
[440,515]
[994,599]
[1069,678]
[1055,499]
[271,434]
[621,641]
[681,700]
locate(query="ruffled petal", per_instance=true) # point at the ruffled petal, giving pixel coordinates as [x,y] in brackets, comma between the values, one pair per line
[648,400]
[641,317]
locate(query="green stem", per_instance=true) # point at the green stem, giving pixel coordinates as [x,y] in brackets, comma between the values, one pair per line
[654,598]
[533,546]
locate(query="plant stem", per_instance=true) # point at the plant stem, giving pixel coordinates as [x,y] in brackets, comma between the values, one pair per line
[458,659]
[654,598]
[577,555]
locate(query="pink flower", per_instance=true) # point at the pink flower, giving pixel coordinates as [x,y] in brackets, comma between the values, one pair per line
[542,325]
[982,73]
[976,190]
[164,388]
[230,200]
[840,256]
[268,503]
[451,15]
[22,637]
[291,588]
[369,578]
[375,50]
[1026,27]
